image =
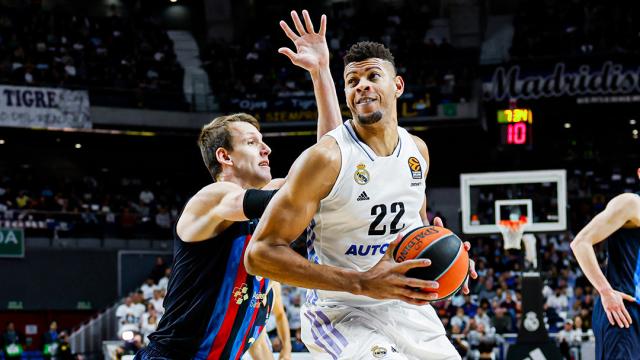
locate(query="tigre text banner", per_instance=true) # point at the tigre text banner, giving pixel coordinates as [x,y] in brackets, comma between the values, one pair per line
[36,107]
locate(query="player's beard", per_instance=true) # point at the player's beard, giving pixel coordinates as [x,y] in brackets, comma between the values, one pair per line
[369,119]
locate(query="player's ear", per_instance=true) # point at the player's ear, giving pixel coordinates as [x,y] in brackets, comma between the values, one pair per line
[222,155]
[399,83]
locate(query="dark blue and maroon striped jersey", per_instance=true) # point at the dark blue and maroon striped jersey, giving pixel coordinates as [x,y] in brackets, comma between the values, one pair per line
[213,308]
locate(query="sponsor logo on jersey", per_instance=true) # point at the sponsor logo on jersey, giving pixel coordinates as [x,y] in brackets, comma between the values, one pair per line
[361,176]
[366,250]
[414,184]
[362,197]
[415,168]
[257,300]
[379,352]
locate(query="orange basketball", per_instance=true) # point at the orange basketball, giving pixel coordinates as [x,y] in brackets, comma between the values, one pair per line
[449,259]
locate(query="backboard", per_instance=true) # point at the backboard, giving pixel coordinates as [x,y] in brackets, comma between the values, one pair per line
[488,198]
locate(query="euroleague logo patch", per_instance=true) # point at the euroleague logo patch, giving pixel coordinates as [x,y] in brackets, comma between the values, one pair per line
[361,176]
[415,167]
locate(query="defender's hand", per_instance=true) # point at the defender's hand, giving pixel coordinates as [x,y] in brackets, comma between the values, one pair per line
[472,270]
[387,280]
[285,355]
[312,52]
[613,304]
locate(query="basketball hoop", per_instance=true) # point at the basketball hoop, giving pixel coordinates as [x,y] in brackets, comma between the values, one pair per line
[512,231]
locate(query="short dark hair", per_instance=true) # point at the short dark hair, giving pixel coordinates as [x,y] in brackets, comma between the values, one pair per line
[216,135]
[366,50]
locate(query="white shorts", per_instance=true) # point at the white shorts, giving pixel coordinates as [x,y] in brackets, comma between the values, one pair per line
[393,331]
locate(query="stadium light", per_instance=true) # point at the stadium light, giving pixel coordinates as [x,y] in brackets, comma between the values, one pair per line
[567,125]
[78,146]
[173,1]
[1,141]
[634,131]
[632,122]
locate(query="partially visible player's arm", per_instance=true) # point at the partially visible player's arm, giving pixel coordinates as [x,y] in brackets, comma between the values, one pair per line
[312,54]
[268,254]
[622,209]
[282,323]
[329,115]
[259,350]
[221,202]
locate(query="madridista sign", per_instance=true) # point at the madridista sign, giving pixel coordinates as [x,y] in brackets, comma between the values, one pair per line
[601,82]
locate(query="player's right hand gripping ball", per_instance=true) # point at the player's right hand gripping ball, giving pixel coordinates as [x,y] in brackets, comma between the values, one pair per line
[449,259]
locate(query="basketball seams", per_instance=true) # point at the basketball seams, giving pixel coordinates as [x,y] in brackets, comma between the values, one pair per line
[466,272]
[406,239]
[452,263]
[444,236]
[455,291]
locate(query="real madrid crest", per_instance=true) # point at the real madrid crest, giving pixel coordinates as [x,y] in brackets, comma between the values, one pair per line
[531,322]
[361,176]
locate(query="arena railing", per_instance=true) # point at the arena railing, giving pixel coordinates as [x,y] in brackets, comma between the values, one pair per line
[88,338]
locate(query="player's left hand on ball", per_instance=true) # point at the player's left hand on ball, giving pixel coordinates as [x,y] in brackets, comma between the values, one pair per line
[472,269]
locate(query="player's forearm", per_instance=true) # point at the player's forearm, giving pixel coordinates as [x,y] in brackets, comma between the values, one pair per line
[586,256]
[260,348]
[284,331]
[281,263]
[230,207]
[329,115]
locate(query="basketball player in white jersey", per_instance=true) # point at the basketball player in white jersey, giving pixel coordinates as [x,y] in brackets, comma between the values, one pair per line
[359,187]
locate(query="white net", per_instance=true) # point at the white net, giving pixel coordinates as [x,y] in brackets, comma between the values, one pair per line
[530,253]
[512,232]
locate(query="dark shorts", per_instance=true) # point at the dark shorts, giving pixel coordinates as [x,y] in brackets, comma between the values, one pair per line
[613,342]
[151,353]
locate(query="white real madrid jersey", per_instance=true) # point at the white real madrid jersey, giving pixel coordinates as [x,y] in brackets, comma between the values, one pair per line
[374,198]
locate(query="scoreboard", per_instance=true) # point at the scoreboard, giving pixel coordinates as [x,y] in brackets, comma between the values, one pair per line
[515,127]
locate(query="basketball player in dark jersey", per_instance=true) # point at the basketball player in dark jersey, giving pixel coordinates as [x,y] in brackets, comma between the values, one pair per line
[213,308]
[616,325]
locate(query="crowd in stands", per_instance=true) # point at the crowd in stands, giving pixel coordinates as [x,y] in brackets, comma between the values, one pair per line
[251,68]
[575,28]
[125,208]
[141,311]
[55,344]
[125,61]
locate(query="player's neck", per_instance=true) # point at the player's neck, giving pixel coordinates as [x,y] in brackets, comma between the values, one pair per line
[381,137]
[230,177]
